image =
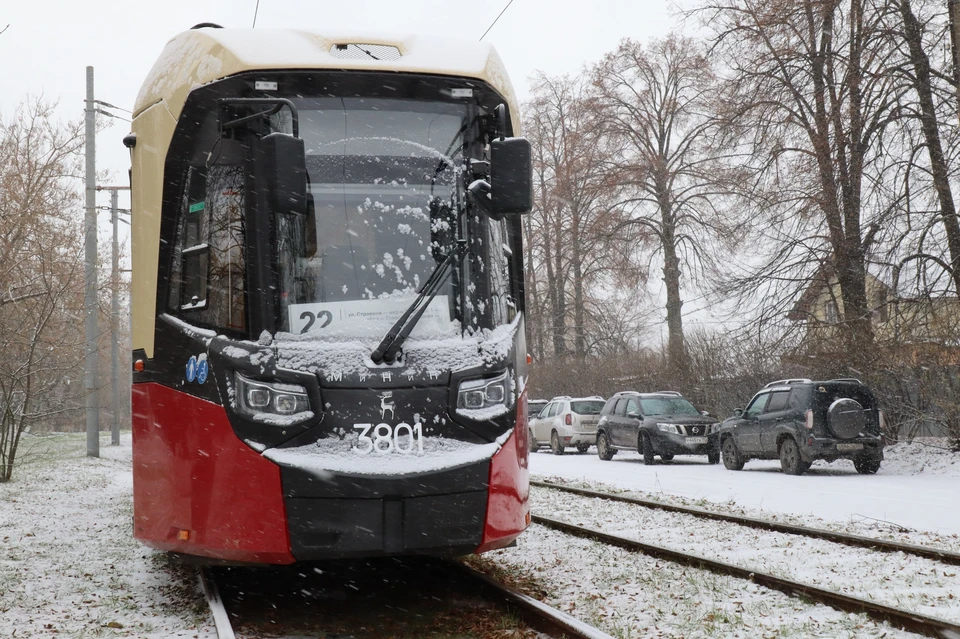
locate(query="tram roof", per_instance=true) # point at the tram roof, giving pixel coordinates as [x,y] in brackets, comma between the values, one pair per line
[199,56]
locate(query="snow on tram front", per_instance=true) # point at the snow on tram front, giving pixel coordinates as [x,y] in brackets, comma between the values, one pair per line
[328,298]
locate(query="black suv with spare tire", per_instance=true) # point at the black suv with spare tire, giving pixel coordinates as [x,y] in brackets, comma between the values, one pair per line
[798,421]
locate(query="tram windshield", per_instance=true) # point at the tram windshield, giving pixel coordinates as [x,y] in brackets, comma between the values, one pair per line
[387,200]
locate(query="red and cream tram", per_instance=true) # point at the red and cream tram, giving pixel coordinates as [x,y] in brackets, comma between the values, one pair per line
[328,299]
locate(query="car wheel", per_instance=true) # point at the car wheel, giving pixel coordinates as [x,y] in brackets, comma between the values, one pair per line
[790,460]
[646,449]
[555,444]
[666,457]
[713,457]
[582,448]
[866,465]
[532,445]
[731,458]
[604,450]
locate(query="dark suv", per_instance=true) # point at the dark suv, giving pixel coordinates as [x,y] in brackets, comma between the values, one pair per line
[663,423]
[798,421]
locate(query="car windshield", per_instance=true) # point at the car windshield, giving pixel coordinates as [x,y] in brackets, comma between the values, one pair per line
[586,407]
[667,406]
[384,179]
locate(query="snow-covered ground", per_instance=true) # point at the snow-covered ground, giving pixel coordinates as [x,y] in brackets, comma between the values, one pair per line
[632,596]
[903,581]
[69,565]
[917,488]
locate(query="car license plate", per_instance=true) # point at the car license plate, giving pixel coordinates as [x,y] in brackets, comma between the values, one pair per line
[849,446]
[696,440]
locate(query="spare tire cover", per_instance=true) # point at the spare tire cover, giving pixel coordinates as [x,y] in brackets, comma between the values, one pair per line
[845,418]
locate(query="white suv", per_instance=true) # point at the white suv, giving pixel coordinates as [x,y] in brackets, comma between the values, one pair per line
[566,421]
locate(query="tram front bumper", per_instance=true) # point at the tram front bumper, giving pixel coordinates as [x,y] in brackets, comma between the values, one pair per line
[449,525]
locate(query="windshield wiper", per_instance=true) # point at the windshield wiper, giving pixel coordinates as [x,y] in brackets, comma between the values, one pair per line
[390,345]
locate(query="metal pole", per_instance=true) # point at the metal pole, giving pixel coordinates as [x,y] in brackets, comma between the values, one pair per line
[90,278]
[115,322]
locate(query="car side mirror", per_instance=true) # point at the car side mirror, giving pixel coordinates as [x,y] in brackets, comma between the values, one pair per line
[738,412]
[705,413]
[633,415]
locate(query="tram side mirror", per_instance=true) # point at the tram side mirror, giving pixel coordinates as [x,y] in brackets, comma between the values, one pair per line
[500,117]
[282,160]
[511,176]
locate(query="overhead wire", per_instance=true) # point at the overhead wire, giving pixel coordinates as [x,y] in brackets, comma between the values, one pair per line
[112,106]
[495,20]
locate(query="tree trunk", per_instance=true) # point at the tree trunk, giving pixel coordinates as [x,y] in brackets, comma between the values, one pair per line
[931,133]
[676,350]
[533,305]
[578,298]
[559,320]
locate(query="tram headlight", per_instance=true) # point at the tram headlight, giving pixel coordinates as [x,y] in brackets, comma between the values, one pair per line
[259,399]
[485,393]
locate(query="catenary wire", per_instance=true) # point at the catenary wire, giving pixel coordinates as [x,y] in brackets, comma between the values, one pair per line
[495,20]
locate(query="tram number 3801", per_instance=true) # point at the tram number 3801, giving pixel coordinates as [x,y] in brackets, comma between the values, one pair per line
[403,438]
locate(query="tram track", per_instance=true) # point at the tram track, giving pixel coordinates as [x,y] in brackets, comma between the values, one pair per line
[211,591]
[459,577]
[909,620]
[545,618]
[905,619]
[860,541]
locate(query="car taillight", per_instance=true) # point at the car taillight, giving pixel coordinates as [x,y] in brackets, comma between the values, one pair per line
[809,423]
[568,419]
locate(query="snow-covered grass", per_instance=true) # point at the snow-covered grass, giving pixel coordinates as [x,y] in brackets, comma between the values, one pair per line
[924,456]
[855,525]
[69,565]
[895,579]
[630,595]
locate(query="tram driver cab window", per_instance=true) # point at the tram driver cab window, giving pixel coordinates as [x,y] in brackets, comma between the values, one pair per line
[207,284]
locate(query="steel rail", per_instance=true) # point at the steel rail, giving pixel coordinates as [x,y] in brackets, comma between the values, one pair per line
[860,541]
[910,621]
[221,620]
[535,612]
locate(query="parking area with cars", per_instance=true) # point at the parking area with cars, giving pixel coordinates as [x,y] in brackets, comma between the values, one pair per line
[830,431]
[795,421]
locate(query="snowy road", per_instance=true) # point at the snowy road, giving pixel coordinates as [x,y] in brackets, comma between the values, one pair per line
[835,492]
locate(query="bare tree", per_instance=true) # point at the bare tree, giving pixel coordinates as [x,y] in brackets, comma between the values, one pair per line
[655,104]
[40,272]
[570,226]
[809,88]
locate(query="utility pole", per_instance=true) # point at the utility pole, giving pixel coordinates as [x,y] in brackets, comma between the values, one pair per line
[115,324]
[90,277]
[115,315]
